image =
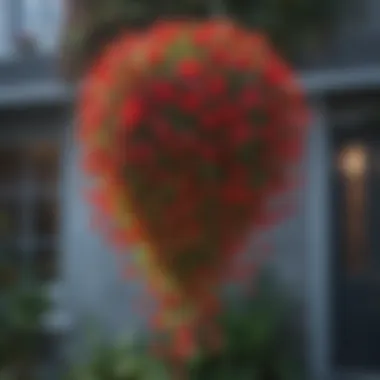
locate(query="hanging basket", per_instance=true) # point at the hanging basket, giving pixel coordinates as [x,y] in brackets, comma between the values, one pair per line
[188,131]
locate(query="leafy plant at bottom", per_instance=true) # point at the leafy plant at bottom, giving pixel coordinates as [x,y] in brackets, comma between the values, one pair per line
[122,361]
[260,343]
[22,305]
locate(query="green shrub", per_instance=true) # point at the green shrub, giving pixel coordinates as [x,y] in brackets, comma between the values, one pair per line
[22,304]
[260,344]
[120,361]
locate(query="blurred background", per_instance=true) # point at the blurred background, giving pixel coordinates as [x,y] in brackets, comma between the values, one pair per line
[56,275]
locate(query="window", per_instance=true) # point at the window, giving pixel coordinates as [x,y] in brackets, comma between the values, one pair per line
[33,22]
[41,20]
[29,210]
[5,30]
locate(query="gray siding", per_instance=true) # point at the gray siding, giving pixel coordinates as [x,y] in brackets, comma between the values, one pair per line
[94,288]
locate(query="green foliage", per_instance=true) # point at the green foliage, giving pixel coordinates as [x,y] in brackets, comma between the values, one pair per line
[260,341]
[22,304]
[122,361]
[260,345]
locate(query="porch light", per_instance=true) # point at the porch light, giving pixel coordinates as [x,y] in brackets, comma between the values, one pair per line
[353,161]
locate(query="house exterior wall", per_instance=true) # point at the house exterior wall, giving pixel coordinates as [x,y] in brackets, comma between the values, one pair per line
[316,248]
[92,283]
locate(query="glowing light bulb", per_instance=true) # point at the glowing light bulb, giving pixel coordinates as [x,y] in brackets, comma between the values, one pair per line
[353,161]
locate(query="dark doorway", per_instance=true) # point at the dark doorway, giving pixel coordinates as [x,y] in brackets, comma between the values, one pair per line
[355,213]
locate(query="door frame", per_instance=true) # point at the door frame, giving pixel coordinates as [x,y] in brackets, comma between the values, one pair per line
[318,251]
[317,248]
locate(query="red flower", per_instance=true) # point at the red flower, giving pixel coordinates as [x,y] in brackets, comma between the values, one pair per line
[204,35]
[291,150]
[236,193]
[221,56]
[277,73]
[187,141]
[190,68]
[165,33]
[229,113]
[250,97]
[155,55]
[268,133]
[139,153]
[98,161]
[120,239]
[189,102]
[102,201]
[210,120]
[241,133]
[163,91]
[163,131]
[102,71]
[243,63]
[217,85]
[184,342]
[208,152]
[133,111]
[91,115]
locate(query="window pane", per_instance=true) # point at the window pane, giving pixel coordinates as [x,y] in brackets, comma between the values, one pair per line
[45,264]
[9,221]
[11,162]
[5,30]
[44,158]
[10,264]
[46,218]
[42,21]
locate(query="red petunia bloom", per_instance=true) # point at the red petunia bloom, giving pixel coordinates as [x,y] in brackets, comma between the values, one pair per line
[241,133]
[190,68]
[217,86]
[185,343]
[139,153]
[163,92]
[250,98]
[208,152]
[189,102]
[133,111]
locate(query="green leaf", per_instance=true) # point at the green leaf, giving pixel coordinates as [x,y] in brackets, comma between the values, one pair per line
[155,370]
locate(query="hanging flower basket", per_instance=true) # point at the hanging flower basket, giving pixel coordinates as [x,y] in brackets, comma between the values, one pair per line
[188,131]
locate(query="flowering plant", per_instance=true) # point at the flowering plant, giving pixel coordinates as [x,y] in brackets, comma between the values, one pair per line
[189,131]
